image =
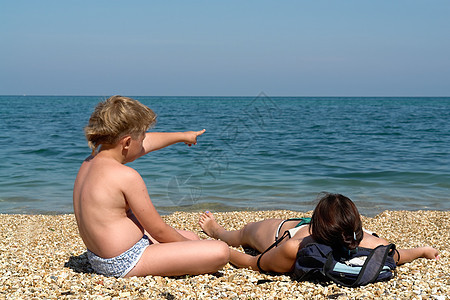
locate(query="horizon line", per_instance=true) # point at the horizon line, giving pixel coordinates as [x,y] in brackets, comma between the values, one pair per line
[215,96]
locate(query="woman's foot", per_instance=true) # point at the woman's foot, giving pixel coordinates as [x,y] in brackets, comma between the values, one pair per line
[209,225]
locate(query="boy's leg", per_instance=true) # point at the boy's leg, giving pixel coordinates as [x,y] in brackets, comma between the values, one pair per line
[181,258]
[257,235]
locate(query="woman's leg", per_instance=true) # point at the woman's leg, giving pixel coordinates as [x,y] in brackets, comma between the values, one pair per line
[257,235]
[182,258]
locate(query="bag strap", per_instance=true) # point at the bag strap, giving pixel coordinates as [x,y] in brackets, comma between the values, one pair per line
[275,244]
[370,270]
[278,240]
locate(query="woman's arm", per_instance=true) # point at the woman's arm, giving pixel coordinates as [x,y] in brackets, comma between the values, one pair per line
[158,140]
[408,255]
[242,260]
[402,255]
[279,259]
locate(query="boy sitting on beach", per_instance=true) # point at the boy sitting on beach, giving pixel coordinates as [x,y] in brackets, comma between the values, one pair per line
[124,234]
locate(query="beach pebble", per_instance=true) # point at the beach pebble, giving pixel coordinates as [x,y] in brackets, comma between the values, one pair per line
[42,256]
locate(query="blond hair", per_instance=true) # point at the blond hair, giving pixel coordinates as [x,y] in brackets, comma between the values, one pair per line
[115,118]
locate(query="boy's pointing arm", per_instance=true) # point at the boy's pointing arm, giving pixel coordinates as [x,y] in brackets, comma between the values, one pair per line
[158,140]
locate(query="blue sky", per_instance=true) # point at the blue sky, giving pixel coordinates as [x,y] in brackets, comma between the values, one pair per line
[225,48]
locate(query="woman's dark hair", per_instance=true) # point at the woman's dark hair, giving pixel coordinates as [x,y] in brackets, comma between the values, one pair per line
[336,222]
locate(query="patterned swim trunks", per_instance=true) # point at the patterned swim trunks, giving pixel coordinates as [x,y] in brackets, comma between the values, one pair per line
[120,265]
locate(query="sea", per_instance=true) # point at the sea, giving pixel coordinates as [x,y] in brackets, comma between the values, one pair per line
[258,153]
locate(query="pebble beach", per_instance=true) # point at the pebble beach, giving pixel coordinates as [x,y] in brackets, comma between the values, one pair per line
[42,256]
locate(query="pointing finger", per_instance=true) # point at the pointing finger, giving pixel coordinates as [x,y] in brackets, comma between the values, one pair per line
[201,132]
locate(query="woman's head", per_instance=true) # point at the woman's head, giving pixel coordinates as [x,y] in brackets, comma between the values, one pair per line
[115,118]
[336,222]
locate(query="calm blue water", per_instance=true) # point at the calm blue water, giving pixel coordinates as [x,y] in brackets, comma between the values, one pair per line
[258,153]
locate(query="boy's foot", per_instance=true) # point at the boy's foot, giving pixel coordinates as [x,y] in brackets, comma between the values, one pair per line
[209,225]
[430,253]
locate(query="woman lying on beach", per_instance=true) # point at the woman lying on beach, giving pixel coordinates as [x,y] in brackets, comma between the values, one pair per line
[335,222]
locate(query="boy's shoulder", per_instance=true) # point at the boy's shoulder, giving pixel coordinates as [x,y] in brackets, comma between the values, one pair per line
[122,170]
[110,167]
[130,173]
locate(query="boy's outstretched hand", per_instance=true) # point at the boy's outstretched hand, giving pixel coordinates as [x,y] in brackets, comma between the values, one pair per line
[191,137]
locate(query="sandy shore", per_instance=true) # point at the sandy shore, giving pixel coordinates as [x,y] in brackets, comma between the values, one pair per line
[42,256]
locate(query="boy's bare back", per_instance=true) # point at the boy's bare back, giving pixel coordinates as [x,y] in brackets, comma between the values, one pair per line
[105,189]
[103,214]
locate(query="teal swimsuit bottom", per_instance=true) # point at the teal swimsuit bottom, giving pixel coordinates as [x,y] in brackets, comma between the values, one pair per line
[303,221]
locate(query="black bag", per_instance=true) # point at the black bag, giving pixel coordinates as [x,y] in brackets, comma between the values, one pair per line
[348,268]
